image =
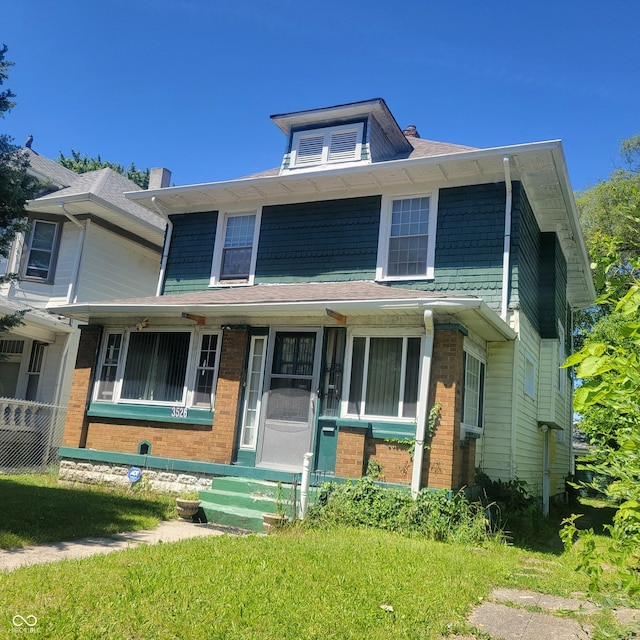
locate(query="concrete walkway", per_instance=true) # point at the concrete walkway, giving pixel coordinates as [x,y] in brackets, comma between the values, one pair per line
[504,616]
[170,531]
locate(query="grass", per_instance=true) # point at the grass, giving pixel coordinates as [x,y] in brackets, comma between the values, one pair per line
[36,510]
[299,584]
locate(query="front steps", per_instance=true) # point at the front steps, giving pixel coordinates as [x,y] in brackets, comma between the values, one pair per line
[240,502]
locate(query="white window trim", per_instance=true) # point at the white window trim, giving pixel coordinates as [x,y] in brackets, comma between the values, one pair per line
[530,390]
[474,351]
[385,234]
[188,391]
[218,249]
[327,133]
[26,251]
[378,332]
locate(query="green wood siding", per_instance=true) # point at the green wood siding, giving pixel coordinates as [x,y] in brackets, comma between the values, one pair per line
[525,257]
[469,243]
[331,240]
[553,287]
[191,252]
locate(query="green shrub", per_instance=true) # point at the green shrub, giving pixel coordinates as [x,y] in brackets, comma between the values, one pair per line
[433,515]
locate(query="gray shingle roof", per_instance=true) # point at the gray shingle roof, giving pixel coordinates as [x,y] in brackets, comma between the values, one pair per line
[109,186]
[46,169]
[285,293]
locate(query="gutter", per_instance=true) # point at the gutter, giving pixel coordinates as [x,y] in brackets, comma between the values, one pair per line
[423,403]
[167,243]
[507,239]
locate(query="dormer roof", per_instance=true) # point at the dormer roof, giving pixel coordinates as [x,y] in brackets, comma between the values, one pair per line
[342,113]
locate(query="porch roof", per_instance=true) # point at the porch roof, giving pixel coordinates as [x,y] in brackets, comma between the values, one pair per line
[251,303]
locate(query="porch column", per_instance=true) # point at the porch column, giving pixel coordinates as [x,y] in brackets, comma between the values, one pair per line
[445,461]
[76,424]
[233,356]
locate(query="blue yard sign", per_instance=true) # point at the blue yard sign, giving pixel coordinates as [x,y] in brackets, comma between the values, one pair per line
[134,474]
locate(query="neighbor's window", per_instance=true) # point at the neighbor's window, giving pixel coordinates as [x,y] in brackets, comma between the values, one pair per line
[384,376]
[235,251]
[407,239]
[40,250]
[327,145]
[152,367]
[529,376]
[473,390]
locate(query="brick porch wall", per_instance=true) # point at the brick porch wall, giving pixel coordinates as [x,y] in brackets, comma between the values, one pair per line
[446,465]
[443,467]
[228,393]
[76,424]
[350,454]
[188,442]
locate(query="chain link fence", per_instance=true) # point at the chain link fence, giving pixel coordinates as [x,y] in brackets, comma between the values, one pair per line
[30,434]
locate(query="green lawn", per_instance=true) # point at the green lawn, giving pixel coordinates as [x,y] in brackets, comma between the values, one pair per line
[299,584]
[35,510]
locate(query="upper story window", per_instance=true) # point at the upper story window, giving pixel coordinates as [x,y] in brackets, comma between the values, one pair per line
[327,145]
[234,254]
[40,250]
[158,367]
[406,247]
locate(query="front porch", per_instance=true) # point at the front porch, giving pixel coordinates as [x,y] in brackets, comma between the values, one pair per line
[30,434]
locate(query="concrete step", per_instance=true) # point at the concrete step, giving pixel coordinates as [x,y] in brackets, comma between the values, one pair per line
[240,502]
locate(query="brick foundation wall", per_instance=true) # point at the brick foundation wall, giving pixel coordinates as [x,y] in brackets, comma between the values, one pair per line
[188,442]
[76,425]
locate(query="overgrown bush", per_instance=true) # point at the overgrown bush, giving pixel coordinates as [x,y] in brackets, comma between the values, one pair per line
[433,514]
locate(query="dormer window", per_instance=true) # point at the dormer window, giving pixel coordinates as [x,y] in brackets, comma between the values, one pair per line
[327,145]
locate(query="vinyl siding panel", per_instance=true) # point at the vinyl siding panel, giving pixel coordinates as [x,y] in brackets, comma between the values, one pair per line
[113,267]
[191,252]
[330,240]
[494,453]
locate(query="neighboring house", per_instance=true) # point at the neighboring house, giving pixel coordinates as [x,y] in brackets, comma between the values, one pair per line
[86,242]
[330,305]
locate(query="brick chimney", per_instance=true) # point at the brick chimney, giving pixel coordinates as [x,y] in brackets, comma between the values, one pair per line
[159,177]
[411,131]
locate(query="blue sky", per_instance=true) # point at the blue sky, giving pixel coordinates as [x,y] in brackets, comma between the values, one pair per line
[190,84]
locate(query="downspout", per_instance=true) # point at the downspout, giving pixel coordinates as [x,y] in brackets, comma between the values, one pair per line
[507,238]
[423,403]
[73,282]
[546,470]
[167,243]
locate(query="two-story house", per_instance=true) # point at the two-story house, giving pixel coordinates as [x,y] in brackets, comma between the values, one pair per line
[375,292]
[86,242]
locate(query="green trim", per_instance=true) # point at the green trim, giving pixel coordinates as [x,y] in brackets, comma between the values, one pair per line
[246,458]
[148,412]
[451,327]
[381,430]
[175,464]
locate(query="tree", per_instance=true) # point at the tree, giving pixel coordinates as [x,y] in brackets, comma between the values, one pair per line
[16,185]
[83,163]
